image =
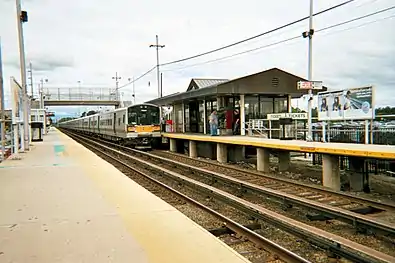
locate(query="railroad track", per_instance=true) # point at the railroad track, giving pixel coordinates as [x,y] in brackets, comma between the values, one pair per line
[330,197]
[240,237]
[322,204]
[337,245]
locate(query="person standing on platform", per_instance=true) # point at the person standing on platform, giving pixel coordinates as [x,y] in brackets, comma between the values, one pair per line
[236,128]
[213,120]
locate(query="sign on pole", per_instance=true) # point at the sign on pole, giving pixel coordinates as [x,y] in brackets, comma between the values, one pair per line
[348,104]
[294,116]
[309,85]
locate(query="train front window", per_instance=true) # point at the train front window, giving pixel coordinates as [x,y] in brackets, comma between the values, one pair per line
[143,115]
[132,117]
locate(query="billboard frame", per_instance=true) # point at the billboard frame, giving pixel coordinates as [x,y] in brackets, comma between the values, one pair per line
[343,98]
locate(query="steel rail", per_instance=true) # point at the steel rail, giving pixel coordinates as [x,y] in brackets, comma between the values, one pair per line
[335,212]
[368,201]
[344,215]
[338,245]
[280,252]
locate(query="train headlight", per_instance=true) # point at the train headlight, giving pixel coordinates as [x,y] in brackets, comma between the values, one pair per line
[131,129]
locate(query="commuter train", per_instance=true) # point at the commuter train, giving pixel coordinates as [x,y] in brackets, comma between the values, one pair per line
[137,125]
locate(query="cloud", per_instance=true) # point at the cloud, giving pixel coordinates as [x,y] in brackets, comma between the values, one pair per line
[42,63]
[69,41]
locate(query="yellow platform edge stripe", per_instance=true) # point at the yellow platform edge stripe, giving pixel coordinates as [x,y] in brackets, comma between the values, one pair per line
[309,149]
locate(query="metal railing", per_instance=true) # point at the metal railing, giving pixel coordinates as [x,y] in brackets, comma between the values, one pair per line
[271,129]
[76,94]
[383,136]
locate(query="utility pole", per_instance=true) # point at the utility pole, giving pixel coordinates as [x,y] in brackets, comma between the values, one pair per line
[116,84]
[310,34]
[157,46]
[161,84]
[2,117]
[134,92]
[21,18]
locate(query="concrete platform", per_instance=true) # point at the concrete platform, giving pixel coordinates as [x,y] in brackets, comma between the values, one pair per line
[348,149]
[62,203]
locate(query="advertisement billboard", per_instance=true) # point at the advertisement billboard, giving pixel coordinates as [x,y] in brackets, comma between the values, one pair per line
[349,104]
[16,98]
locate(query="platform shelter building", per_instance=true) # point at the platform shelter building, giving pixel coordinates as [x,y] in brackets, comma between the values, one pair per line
[247,98]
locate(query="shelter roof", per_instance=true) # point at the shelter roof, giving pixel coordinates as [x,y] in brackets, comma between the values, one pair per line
[204,83]
[271,83]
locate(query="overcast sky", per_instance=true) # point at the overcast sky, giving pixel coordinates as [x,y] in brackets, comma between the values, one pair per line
[90,40]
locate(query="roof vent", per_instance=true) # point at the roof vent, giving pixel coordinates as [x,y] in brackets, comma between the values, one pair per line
[275,82]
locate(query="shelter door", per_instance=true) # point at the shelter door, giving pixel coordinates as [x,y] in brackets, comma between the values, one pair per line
[194,116]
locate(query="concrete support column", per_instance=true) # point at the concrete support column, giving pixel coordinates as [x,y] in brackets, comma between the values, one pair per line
[356,181]
[242,115]
[263,161]
[284,160]
[236,153]
[192,149]
[356,173]
[331,171]
[183,117]
[173,145]
[222,153]
[204,117]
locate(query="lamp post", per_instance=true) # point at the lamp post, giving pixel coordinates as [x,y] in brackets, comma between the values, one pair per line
[310,73]
[157,46]
[79,89]
[310,34]
[116,84]
[42,106]
[22,18]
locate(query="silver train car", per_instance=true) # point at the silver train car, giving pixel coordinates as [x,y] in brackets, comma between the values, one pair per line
[137,125]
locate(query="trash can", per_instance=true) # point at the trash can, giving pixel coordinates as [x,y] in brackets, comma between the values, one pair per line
[37,128]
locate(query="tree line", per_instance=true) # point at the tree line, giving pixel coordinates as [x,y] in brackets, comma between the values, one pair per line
[84,114]
[379,111]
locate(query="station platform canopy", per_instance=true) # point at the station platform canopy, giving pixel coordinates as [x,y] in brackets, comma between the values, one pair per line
[271,83]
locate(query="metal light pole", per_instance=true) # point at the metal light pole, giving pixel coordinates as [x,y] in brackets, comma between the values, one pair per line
[42,92]
[21,18]
[2,118]
[157,46]
[42,106]
[116,84]
[310,73]
[79,89]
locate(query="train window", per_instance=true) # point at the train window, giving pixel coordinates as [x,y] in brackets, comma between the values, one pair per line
[132,117]
[119,121]
[123,118]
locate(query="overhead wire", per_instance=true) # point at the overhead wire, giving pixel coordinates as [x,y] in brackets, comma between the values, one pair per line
[239,42]
[136,79]
[256,36]
[268,45]
[292,38]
